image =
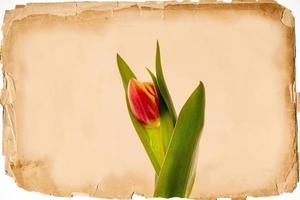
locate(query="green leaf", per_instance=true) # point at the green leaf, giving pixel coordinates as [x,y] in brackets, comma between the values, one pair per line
[166,123]
[127,74]
[177,170]
[163,86]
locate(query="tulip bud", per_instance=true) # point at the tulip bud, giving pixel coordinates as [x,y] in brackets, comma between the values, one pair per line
[143,101]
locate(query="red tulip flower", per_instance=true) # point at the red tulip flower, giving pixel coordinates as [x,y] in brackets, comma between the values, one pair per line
[143,101]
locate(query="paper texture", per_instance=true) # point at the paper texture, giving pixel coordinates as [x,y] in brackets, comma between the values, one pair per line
[66,127]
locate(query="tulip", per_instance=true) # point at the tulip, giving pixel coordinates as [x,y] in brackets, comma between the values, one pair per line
[143,101]
[170,141]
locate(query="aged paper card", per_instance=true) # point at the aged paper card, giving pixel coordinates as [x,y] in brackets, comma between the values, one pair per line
[66,126]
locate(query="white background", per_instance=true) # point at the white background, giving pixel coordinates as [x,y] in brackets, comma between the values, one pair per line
[9,190]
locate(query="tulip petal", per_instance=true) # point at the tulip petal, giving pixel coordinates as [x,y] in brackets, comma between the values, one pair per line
[163,86]
[143,102]
[177,169]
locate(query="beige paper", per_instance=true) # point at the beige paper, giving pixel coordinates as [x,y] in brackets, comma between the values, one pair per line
[66,127]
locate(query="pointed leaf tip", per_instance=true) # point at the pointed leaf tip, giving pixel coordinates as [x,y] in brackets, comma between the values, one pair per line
[163,86]
[201,84]
[125,71]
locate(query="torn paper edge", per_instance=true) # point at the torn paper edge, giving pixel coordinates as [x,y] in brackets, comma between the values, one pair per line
[286,183]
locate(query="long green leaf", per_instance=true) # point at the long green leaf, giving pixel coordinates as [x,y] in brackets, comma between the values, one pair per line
[127,74]
[163,86]
[177,168]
